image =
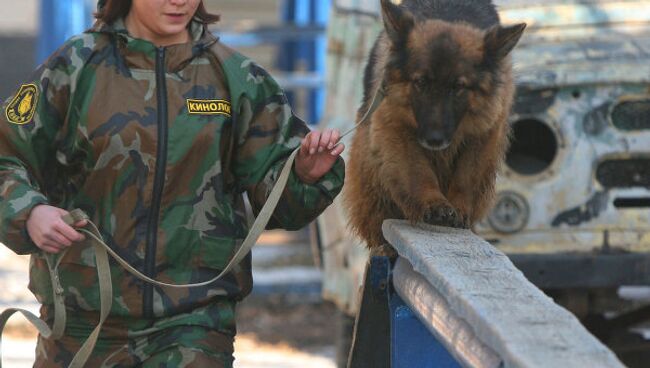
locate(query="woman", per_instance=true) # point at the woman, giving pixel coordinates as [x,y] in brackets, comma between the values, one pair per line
[154,129]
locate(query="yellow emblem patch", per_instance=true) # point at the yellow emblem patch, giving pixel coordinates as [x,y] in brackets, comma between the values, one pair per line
[22,107]
[208,107]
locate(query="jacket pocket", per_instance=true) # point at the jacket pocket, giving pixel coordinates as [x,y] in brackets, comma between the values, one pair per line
[213,252]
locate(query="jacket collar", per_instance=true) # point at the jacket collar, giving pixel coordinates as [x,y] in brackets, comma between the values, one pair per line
[142,53]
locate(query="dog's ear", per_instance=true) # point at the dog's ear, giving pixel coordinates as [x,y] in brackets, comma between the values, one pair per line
[397,21]
[499,41]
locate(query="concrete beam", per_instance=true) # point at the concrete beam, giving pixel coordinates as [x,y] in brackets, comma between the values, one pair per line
[502,309]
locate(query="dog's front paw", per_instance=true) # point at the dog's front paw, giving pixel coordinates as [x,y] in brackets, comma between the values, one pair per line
[446,215]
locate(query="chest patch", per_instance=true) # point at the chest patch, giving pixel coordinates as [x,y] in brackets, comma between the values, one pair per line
[208,107]
[22,107]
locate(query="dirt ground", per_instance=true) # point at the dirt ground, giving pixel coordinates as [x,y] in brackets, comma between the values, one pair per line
[300,326]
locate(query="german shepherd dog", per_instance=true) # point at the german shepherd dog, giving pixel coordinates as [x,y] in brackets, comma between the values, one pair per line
[432,148]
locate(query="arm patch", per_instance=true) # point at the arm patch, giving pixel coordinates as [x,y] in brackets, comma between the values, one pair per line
[20,110]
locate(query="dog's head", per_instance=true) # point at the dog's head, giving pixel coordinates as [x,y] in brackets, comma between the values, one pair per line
[448,71]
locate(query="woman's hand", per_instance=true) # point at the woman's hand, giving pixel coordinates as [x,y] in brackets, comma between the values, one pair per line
[48,230]
[318,153]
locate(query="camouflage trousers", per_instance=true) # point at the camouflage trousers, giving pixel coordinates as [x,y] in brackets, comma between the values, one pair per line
[139,343]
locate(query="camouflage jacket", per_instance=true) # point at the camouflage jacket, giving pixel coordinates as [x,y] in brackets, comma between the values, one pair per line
[156,145]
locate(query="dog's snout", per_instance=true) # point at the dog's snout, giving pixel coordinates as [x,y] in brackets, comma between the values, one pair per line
[435,138]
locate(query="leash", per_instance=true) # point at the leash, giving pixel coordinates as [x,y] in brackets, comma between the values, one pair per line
[377,98]
[102,250]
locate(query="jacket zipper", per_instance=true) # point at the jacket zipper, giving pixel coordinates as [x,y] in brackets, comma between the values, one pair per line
[158,184]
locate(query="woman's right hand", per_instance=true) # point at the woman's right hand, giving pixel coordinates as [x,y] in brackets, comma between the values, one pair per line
[49,232]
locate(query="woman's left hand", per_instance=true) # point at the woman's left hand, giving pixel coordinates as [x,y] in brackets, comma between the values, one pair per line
[318,153]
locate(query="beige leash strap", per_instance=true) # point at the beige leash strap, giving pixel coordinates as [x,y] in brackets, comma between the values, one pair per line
[40,325]
[59,307]
[57,294]
[105,288]
[102,250]
[378,97]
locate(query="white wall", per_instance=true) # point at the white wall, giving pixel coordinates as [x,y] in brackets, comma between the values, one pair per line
[19,17]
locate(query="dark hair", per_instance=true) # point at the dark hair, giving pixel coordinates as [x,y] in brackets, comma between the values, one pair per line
[115,9]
